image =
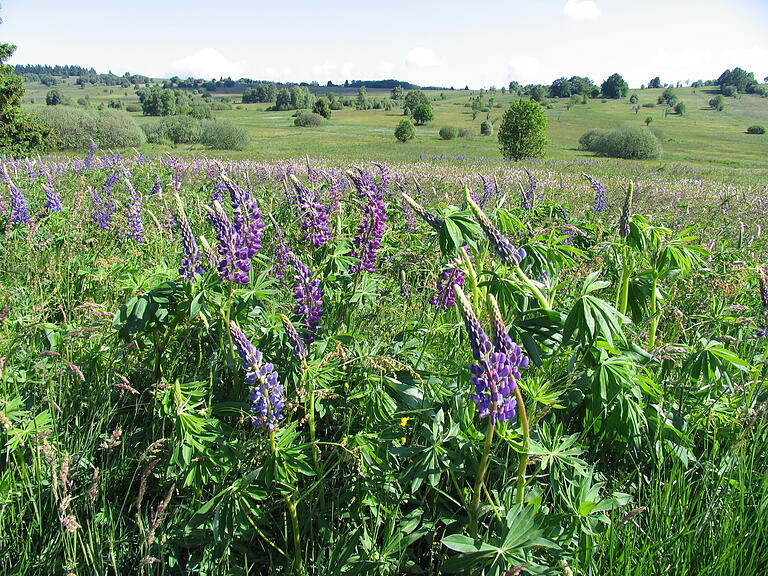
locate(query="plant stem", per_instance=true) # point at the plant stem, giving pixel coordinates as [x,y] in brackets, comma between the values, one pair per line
[654,314]
[543,302]
[474,507]
[526,437]
[298,564]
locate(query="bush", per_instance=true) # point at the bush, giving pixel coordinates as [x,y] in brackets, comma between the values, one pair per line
[219,106]
[223,135]
[322,107]
[133,107]
[523,130]
[448,132]
[465,133]
[631,142]
[200,111]
[680,108]
[729,91]
[405,130]
[486,128]
[633,99]
[309,119]
[756,129]
[649,105]
[180,129]
[585,142]
[76,128]
[54,97]
[718,103]
[423,113]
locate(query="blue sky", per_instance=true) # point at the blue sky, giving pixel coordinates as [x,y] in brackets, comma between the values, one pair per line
[428,42]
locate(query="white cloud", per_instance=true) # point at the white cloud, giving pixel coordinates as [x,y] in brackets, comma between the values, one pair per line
[581,10]
[421,57]
[207,63]
[523,69]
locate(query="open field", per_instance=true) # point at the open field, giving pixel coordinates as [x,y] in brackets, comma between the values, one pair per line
[703,138]
[207,367]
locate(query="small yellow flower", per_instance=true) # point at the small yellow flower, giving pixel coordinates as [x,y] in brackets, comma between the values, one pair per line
[404,421]
[402,441]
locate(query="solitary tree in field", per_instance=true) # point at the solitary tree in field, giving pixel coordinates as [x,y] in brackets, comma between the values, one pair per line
[20,134]
[614,87]
[404,130]
[648,120]
[523,131]
[423,113]
[54,97]
[397,93]
[718,103]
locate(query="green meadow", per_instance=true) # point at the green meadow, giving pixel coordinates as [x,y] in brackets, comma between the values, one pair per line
[703,137]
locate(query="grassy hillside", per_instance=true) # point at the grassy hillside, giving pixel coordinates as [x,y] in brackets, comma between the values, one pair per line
[703,137]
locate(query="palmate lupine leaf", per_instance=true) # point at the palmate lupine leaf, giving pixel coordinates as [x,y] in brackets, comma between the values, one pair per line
[591,317]
[519,537]
[713,363]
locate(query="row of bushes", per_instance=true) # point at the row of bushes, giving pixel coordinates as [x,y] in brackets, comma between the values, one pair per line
[631,142]
[76,128]
[451,132]
[217,134]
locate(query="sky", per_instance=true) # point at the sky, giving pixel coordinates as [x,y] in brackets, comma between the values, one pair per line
[426,42]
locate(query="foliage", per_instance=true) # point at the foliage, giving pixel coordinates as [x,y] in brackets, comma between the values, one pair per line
[614,87]
[448,132]
[680,108]
[54,97]
[223,135]
[309,119]
[523,131]
[486,128]
[20,135]
[629,142]
[718,103]
[322,107]
[422,114]
[756,129]
[263,92]
[175,129]
[740,79]
[77,128]
[405,130]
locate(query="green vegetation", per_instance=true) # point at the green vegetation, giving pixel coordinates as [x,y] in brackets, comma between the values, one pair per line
[756,129]
[449,132]
[224,135]
[523,131]
[405,130]
[309,119]
[77,128]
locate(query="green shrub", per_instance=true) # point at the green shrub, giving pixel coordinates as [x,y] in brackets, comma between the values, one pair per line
[309,119]
[630,142]
[465,133]
[200,111]
[585,142]
[448,132]
[181,129]
[219,106]
[756,129]
[486,128]
[729,91]
[680,108]
[223,135]
[54,97]
[76,128]
[133,107]
[718,103]
[649,105]
[405,130]
[523,131]
[322,107]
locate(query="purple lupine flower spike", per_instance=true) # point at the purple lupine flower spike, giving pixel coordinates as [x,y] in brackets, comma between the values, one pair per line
[135,225]
[191,258]
[19,208]
[234,263]
[371,229]
[444,298]
[488,191]
[599,204]
[308,294]
[509,255]
[529,194]
[312,212]
[496,368]
[52,199]
[299,348]
[433,221]
[247,216]
[281,251]
[267,395]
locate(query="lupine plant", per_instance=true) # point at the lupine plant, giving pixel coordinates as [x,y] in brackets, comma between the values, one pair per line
[314,368]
